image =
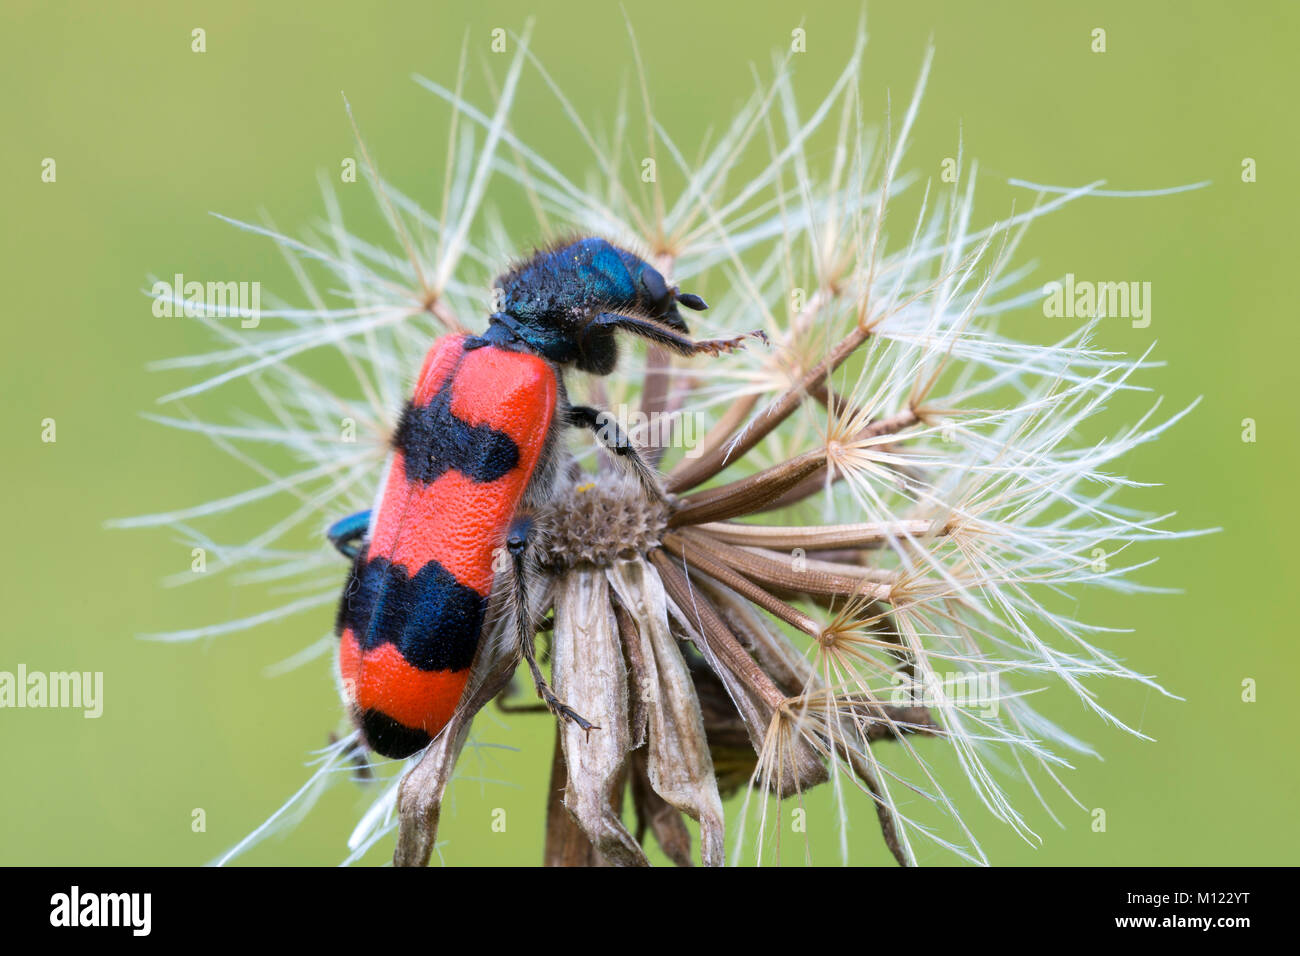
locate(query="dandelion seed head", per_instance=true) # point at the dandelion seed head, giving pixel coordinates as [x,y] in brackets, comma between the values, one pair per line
[599,523]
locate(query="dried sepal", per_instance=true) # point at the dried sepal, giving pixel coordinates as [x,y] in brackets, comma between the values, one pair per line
[758,700]
[591,677]
[566,844]
[641,678]
[678,765]
[657,815]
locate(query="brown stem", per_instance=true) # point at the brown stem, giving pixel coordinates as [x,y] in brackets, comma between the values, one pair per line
[871,534]
[888,825]
[897,720]
[746,495]
[712,629]
[699,559]
[817,577]
[654,395]
[722,429]
[701,469]
[817,481]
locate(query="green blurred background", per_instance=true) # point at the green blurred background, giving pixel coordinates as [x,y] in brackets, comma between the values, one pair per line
[149,138]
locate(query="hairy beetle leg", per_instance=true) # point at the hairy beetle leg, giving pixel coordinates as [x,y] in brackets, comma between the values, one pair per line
[661,334]
[608,432]
[517,545]
[718,346]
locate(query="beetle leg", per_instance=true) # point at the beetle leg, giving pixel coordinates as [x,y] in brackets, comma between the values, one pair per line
[517,545]
[671,339]
[346,534]
[614,439]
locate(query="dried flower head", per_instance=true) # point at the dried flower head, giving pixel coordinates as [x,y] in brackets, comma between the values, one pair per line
[868,517]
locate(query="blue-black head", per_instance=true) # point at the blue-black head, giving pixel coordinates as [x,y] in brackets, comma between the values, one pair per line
[567,300]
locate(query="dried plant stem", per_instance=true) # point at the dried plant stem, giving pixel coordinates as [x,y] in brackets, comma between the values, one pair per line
[890,425]
[692,472]
[712,630]
[888,823]
[699,560]
[776,570]
[871,534]
[747,495]
[821,479]
[656,394]
[741,409]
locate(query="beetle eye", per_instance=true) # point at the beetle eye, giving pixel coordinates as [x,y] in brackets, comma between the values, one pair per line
[656,289]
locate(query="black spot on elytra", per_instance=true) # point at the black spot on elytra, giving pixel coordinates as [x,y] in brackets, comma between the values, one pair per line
[434,441]
[387,736]
[432,619]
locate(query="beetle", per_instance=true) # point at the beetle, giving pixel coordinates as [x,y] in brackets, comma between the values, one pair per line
[474,455]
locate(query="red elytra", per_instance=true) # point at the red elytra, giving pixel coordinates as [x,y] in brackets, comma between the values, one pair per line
[450,528]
